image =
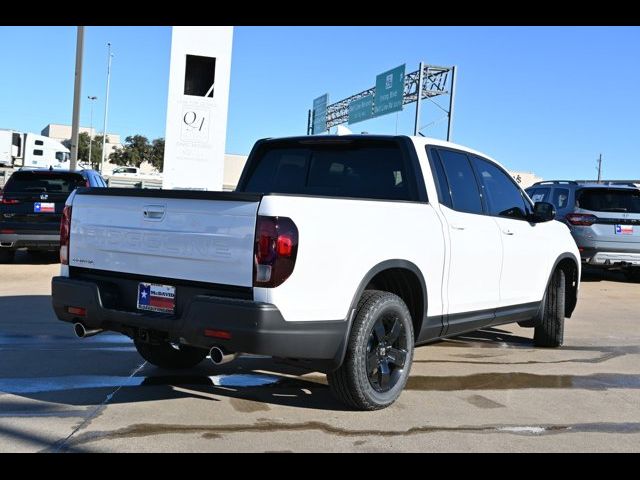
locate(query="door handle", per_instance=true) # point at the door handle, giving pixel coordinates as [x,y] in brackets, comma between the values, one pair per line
[153,212]
[457,227]
[507,232]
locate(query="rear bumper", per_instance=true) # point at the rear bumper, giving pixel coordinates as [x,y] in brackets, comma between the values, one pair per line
[609,257]
[255,327]
[40,241]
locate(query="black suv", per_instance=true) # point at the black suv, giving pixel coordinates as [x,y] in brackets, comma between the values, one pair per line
[31,207]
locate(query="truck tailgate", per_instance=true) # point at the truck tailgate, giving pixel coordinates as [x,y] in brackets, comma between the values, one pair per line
[197,236]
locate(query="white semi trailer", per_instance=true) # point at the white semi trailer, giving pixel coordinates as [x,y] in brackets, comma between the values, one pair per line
[18,149]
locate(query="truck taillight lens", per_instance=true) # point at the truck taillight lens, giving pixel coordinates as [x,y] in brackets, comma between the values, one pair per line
[581,219]
[8,201]
[65,232]
[275,250]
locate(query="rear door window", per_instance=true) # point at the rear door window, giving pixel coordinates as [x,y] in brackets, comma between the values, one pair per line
[465,196]
[560,197]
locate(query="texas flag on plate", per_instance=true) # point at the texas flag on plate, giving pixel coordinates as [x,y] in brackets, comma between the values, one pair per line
[43,207]
[624,229]
[156,298]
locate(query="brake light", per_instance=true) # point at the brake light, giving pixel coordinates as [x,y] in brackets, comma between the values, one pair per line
[8,201]
[581,219]
[275,250]
[65,233]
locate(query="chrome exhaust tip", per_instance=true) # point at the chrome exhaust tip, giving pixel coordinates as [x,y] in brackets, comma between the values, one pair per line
[82,332]
[219,357]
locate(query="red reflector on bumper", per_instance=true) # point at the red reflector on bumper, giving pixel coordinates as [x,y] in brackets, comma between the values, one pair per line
[82,312]
[224,334]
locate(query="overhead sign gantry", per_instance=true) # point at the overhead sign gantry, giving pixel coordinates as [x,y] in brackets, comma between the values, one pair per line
[392,91]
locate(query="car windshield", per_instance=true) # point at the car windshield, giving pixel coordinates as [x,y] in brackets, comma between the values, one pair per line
[50,182]
[609,200]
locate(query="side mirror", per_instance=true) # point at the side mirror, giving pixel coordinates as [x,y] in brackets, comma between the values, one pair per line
[543,212]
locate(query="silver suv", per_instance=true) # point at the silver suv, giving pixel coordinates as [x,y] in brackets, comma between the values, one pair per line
[604,220]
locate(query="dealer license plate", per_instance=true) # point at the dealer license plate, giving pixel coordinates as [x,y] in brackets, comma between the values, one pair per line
[156,298]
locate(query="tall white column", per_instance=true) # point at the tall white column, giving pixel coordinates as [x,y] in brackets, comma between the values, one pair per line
[197,106]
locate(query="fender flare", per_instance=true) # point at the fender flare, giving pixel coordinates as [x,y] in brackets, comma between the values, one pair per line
[386,265]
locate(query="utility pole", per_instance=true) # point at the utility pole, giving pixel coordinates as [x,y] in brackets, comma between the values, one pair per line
[599,167]
[92,98]
[77,88]
[452,99]
[106,106]
[416,127]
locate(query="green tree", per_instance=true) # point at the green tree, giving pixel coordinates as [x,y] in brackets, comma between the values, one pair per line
[157,154]
[83,148]
[135,150]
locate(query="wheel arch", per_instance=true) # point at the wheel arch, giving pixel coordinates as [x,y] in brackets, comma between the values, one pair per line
[397,276]
[570,266]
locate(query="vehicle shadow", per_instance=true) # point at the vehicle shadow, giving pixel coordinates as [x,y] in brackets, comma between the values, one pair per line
[41,360]
[593,274]
[24,257]
[488,337]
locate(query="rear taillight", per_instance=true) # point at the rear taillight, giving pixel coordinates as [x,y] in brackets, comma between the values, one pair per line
[8,201]
[583,219]
[275,250]
[65,232]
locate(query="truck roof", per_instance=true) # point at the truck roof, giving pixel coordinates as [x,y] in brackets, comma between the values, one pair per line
[417,139]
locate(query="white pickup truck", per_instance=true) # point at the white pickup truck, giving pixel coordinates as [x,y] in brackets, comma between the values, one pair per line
[337,253]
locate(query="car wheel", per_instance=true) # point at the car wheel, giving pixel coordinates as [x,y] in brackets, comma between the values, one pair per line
[550,331]
[632,274]
[166,355]
[7,256]
[379,353]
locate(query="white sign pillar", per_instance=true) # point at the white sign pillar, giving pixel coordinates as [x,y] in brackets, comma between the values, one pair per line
[197,106]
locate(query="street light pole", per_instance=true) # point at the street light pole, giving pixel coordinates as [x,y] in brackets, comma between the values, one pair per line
[91,128]
[106,107]
[77,88]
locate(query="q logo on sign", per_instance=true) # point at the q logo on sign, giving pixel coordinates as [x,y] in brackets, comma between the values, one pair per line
[195,125]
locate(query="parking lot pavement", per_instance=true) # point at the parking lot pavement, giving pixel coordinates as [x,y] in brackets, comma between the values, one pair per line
[486,391]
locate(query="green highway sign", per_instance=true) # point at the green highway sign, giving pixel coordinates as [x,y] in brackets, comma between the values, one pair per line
[361,109]
[320,114]
[389,91]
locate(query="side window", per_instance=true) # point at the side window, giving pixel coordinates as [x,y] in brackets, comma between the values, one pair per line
[37,153]
[39,142]
[463,186]
[539,194]
[560,197]
[503,196]
[440,178]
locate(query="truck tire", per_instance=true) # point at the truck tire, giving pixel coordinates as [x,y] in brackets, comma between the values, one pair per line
[550,332]
[379,353]
[7,256]
[165,355]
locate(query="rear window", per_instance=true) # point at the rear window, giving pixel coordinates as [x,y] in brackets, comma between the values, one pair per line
[371,169]
[44,182]
[609,200]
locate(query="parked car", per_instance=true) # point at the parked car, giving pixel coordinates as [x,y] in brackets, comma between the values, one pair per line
[604,220]
[31,208]
[337,253]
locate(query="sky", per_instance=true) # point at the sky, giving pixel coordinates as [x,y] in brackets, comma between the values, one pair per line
[546,100]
